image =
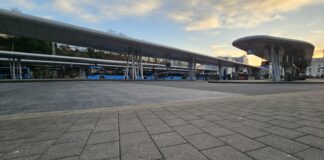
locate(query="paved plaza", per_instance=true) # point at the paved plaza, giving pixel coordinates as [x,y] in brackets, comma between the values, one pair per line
[191,121]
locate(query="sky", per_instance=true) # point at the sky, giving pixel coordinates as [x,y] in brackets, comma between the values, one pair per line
[203,26]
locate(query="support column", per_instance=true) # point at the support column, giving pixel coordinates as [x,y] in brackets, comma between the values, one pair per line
[190,70]
[127,66]
[10,66]
[19,69]
[137,65]
[133,67]
[13,69]
[220,70]
[274,58]
[141,67]
[53,48]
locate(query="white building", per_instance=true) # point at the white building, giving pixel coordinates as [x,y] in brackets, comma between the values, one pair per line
[316,69]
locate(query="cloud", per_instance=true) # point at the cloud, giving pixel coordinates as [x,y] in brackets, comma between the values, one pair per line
[28,4]
[318,52]
[226,51]
[213,14]
[95,10]
[314,22]
[204,24]
[317,32]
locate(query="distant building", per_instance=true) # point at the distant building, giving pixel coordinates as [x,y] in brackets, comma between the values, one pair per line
[242,59]
[316,69]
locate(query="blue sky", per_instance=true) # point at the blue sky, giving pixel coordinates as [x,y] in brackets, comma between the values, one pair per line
[206,27]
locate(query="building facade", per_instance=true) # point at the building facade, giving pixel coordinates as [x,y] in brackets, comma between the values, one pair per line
[316,69]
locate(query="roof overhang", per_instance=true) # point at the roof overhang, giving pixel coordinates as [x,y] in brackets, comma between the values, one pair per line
[39,28]
[259,44]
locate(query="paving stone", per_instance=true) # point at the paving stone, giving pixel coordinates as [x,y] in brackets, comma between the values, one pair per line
[283,144]
[312,141]
[134,138]
[74,136]
[182,152]
[204,141]
[241,143]
[168,139]
[225,153]
[79,127]
[186,130]
[312,131]
[29,149]
[228,124]
[129,121]
[158,129]
[311,154]
[147,116]
[249,131]
[141,151]
[42,136]
[255,124]
[86,120]
[34,157]
[217,131]
[311,124]
[71,158]
[201,123]
[168,117]
[154,121]
[285,124]
[176,122]
[6,146]
[283,132]
[22,134]
[100,151]
[63,150]
[103,137]
[211,117]
[135,127]
[188,117]
[260,118]
[269,153]
[107,121]
[103,127]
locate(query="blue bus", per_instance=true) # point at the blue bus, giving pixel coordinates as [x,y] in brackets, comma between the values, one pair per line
[5,73]
[172,76]
[99,72]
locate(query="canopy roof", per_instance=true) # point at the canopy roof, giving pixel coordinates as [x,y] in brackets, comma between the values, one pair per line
[258,44]
[39,28]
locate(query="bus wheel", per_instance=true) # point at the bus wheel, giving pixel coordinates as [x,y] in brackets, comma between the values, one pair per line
[102,77]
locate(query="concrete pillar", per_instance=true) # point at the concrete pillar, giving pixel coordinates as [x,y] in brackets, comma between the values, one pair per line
[141,67]
[127,66]
[190,76]
[221,71]
[19,69]
[274,58]
[13,69]
[53,48]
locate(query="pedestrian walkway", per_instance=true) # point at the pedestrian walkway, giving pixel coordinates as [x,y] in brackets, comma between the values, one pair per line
[287,126]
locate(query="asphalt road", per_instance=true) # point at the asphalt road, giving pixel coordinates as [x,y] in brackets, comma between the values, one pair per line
[56,96]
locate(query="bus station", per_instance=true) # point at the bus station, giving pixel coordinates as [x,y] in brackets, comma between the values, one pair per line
[154,101]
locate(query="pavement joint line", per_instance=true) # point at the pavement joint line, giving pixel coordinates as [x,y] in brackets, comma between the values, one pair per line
[119,135]
[187,142]
[86,142]
[150,136]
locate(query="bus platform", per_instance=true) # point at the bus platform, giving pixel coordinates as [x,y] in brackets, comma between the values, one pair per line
[308,81]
